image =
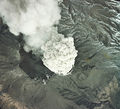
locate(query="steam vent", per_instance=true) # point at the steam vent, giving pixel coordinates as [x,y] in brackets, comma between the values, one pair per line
[59,54]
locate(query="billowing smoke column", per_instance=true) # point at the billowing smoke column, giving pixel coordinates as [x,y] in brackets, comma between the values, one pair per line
[36,20]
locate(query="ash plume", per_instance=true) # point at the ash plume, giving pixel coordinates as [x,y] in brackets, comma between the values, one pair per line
[36,20]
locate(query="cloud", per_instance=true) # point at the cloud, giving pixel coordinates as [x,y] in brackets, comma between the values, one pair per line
[36,20]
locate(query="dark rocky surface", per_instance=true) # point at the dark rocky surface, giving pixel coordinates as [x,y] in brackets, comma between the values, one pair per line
[94,82]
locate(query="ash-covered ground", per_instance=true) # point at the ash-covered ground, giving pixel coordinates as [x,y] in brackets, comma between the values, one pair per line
[25,83]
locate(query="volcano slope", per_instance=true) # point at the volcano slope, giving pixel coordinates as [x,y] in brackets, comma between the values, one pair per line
[94,80]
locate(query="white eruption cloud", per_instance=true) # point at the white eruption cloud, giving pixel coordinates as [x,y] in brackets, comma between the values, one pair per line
[36,20]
